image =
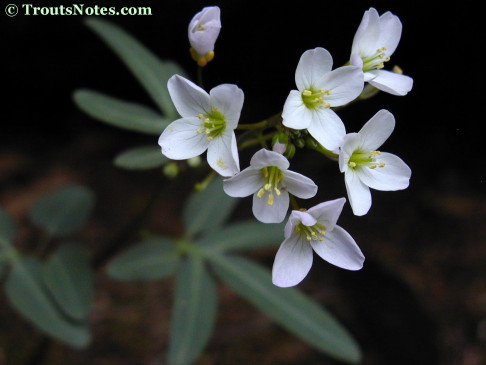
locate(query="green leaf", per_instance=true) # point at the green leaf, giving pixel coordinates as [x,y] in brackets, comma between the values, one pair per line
[154,258]
[141,158]
[206,211]
[287,306]
[68,276]
[151,72]
[64,211]
[27,295]
[243,236]
[8,227]
[120,113]
[194,312]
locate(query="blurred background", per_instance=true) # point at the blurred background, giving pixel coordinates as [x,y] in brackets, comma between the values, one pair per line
[421,297]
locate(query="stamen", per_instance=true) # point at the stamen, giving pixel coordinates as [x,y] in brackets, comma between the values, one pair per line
[382,164]
[270,199]
[352,164]
[373,166]
[260,193]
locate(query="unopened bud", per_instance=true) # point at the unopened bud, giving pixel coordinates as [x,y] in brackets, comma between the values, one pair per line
[171,170]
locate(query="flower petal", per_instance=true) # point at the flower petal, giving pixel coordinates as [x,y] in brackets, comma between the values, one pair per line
[391,82]
[340,249]
[390,32]
[264,158]
[223,154]
[296,217]
[313,64]
[274,213]
[202,40]
[327,213]
[295,114]
[367,35]
[188,98]
[228,99]
[292,262]
[180,140]
[244,183]
[345,84]
[395,175]
[377,130]
[327,128]
[299,185]
[359,194]
[351,142]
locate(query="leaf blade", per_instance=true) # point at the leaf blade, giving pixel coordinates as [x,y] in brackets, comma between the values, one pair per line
[8,227]
[194,312]
[141,158]
[120,113]
[289,307]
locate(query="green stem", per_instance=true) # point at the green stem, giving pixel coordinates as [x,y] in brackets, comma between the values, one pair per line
[199,76]
[326,152]
[262,124]
[293,202]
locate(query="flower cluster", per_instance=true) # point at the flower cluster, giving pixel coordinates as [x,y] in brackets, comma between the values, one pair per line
[209,120]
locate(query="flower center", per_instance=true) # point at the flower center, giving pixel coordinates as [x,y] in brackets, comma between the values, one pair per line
[376,60]
[213,124]
[273,176]
[312,233]
[362,159]
[314,99]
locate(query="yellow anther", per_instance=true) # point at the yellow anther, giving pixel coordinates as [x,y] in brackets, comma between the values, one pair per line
[260,193]
[206,120]
[397,70]
[202,62]
[267,187]
[209,56]
[200,27]
[199,131]
[307,93]
[207,131]
[214,109]
[373,166]
[382,164]
[321,239]
[270,199]
[302,210]
[276,191]
[313,234]
[352,164]
[309,238]
[209,138]
[200,116]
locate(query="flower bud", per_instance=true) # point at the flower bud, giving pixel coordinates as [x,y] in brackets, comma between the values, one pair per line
[203,31]
[290,152]
[171,170]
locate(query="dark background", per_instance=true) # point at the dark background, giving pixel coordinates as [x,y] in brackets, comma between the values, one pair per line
[421,298]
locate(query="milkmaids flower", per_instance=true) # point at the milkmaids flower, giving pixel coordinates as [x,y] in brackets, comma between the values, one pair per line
[270,182]
[208,122]
[375,41]
[203,31]
[319,89]
[364,167]
[314,229]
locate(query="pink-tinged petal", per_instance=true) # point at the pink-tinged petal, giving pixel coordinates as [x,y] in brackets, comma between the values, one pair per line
[340,249]
[391,82]
[244,183]
[223,154]
[295,114]
[313,64]
[180,140]
[327,128]
[264,158]
[390,32]
[345,84]
[299,185]
[368,33]
[395,175]
[228,100]
[188,98]
[359,194]
[274,213]
[327,213]
[292,262]
[377,130]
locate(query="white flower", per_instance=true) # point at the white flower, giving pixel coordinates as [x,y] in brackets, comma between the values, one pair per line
[203,31]
[314,229]
[375,41]
[208,122]
[319,89]
[364,167]
[270,182]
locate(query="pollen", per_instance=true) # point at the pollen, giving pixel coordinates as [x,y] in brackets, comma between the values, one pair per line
[382,164]
[373,166]
[352,164]
[260,193]
[270,199]
[221,163]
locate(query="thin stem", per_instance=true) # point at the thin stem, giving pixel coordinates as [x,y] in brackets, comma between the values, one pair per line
[293,202]
[262,124]
[199,76]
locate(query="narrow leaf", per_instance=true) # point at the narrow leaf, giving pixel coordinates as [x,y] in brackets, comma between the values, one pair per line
[207,210]
[154,258]
[243,236]
[26,294]
[151,72]
[120,113]
[194,312]
[64,211]
[68,276]
[287,306]
[8,227]
[141,158]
